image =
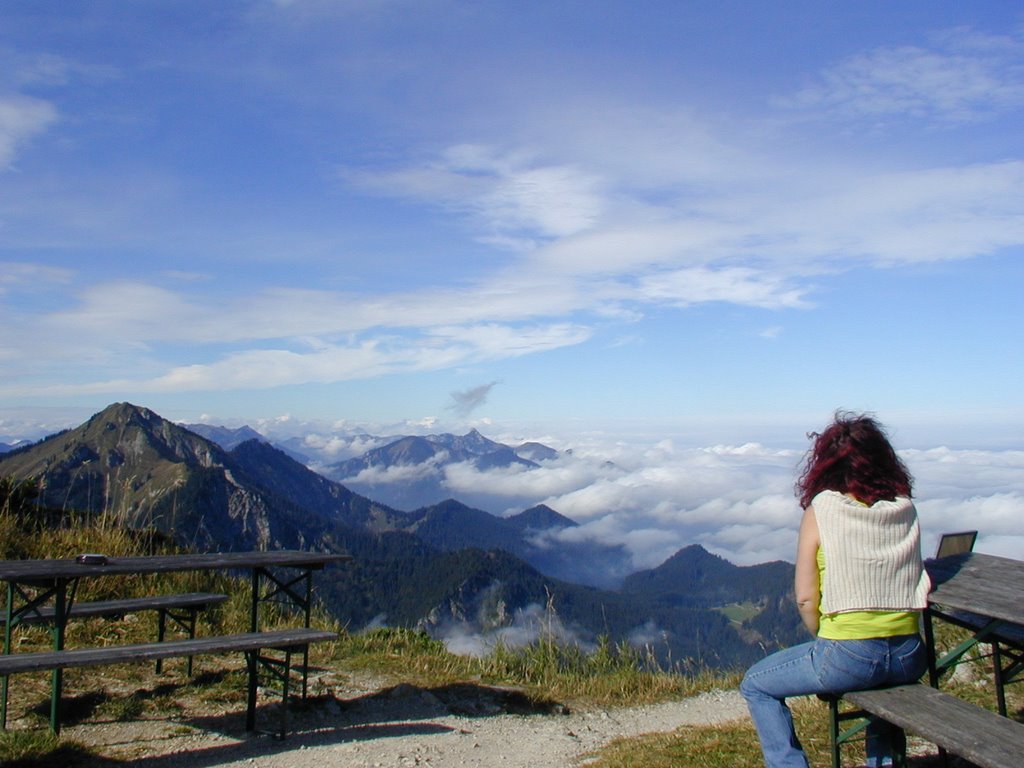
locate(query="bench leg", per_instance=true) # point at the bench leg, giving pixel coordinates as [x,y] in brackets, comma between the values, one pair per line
[55,696]
[185,621]
[899,748]
[833,728]
[252,667]
[8,625]
[895,736]
[892,736]
[191,633]
[284,689]
[281,670]
[161,628]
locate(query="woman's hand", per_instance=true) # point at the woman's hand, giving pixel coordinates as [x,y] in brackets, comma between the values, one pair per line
[807,586]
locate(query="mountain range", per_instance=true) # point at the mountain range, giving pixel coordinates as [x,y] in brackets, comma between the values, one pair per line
[405,472]
[409,472]
[445,567]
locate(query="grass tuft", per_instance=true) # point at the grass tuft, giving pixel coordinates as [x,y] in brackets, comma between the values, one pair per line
[42,749]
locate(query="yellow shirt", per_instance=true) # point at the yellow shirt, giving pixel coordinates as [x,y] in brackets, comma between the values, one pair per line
[862,625]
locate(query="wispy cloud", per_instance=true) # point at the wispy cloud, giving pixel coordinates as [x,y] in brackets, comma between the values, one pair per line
[963,76]
[466,401]
[21,118]
[763,251]
[503,193]
[28,277]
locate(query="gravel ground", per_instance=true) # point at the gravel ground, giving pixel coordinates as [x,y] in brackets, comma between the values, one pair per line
[461,725]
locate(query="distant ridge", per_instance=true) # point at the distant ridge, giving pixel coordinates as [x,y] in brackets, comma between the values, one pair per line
[695,576]
[420,462]
[226,437]
[540,518]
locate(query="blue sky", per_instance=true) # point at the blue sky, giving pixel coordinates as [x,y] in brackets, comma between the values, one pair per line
[676,235]
[602,215]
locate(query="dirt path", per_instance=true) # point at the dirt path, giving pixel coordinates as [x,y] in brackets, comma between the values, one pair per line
[463,725]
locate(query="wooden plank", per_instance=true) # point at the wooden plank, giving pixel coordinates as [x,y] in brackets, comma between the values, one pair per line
[130,605]
[86,657]
[981,736]
[42,571]
[979,583]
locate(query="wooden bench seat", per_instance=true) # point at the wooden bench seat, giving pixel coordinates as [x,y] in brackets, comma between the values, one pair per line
[250,643]
[979,735]
[115,608]
[181,609]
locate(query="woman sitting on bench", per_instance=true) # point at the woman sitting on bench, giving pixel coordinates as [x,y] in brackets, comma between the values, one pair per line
[860,588]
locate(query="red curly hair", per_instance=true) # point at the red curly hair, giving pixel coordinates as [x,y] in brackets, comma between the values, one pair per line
[853,455]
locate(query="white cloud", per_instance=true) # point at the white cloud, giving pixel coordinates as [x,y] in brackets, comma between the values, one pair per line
[524,627]
[326,363]
[24,276]
[506,192]
[735,285]
[786,239]
[338,448]
[516,483]
[21,118]
[400,473]
[963,76]
[738,500]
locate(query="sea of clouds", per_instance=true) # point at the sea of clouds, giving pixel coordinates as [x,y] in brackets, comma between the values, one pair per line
[736,501]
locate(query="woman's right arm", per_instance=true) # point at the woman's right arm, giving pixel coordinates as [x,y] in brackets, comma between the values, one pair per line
[807,588]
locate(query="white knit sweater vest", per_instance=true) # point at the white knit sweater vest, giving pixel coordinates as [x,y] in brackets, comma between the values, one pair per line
[872,555]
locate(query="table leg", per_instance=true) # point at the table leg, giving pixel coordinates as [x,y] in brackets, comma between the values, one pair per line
[254,613]
[60,620]
[284,689]
[9,620]
[252,667]
[929,641]
[293,590]
[309,616]
[997,666]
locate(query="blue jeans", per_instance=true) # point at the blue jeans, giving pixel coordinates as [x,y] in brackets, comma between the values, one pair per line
[825,666]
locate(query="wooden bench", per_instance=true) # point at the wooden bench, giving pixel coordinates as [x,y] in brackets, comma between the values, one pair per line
[979,735]
[252,644]
[116,608]
[181,609]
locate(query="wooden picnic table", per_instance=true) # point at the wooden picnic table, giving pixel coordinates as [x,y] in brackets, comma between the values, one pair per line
[985,595]
[979,583]
[50,586]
